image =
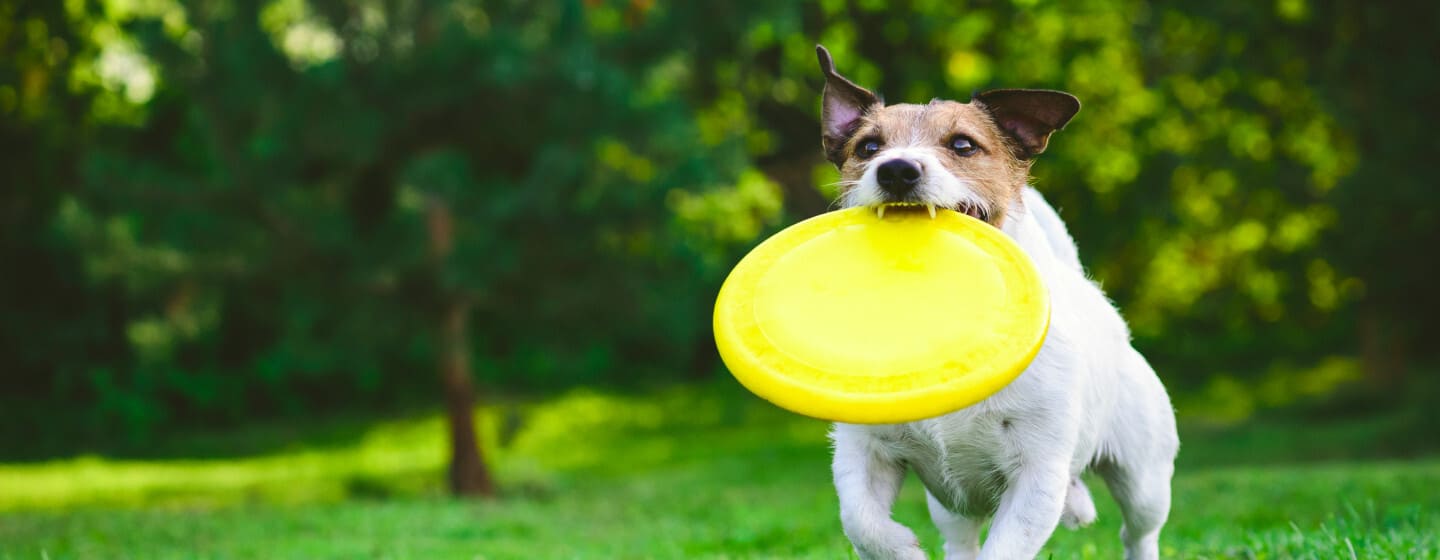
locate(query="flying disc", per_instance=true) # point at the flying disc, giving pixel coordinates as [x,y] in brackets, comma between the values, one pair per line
[860,318]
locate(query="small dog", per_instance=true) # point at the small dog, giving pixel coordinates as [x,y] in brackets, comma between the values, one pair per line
[1089,400]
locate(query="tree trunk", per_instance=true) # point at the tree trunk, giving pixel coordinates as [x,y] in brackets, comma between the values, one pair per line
[468,473]
[1384,353]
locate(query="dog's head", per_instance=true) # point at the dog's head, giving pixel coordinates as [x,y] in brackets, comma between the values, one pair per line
[969,157]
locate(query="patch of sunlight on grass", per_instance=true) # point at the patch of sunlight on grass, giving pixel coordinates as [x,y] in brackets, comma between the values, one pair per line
[395,450]
[587,430]
[583,431]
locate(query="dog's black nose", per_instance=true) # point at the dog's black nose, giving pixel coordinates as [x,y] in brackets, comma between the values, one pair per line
[898,176]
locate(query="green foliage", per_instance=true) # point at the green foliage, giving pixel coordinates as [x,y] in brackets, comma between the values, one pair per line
[215,210]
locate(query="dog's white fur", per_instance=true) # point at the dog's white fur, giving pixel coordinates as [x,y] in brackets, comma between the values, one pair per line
[1089,400]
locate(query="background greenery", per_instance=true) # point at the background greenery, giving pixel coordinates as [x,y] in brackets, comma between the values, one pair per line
[218,270]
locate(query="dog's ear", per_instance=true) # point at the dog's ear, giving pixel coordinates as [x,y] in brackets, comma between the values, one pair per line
[1029,115]
[843,105]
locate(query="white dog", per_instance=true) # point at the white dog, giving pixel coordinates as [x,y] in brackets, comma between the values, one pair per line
[1088,401]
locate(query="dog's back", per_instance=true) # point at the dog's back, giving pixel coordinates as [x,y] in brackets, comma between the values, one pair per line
[1055,231]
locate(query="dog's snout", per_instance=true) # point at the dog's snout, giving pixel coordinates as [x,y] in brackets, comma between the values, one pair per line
[898,176]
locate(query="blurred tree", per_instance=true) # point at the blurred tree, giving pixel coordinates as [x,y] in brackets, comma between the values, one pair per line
[1366,60]
[223,210]
[259,216]
[50,320]
[468,472]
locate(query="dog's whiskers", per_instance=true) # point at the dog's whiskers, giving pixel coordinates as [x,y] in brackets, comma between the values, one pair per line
[842,201]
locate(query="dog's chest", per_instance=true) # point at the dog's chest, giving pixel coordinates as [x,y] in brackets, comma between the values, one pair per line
[963,459]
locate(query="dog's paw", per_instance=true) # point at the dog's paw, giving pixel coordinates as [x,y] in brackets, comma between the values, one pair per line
[1079,507]
[907,553]
[957,552]
[890,541]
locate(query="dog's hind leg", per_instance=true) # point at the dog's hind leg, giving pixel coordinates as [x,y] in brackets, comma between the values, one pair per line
[1141,459]
[1144,498]
[962,534]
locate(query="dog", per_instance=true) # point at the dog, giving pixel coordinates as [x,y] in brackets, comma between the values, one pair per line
[1089,400]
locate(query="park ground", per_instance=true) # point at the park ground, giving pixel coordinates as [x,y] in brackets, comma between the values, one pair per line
[693,472]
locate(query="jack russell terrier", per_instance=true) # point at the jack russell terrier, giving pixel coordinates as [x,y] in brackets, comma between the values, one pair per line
[1088,401]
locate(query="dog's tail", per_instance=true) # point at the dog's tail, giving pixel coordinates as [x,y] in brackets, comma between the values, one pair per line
[1079,507]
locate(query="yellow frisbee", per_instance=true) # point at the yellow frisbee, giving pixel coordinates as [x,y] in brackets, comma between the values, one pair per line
[852,317]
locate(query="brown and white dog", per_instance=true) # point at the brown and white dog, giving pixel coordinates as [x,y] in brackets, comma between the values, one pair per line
[1088,401]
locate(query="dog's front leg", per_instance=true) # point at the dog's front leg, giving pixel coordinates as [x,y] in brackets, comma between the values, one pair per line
[1029,511]
[867,485]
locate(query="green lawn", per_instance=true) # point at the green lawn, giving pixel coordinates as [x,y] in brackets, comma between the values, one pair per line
[685,473]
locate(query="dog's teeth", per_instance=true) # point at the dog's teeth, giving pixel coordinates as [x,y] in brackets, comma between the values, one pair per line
[880,211]
[931,208]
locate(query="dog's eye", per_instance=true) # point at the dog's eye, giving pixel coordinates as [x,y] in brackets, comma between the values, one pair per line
[867,148]
[962,145]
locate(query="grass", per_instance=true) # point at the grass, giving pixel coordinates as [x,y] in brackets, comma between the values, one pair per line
[686,473]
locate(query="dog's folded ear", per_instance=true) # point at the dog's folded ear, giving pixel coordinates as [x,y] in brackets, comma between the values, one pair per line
[844,103]
[1029,116]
